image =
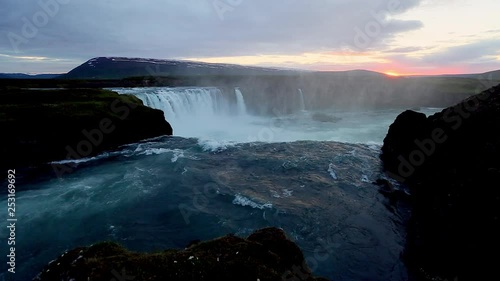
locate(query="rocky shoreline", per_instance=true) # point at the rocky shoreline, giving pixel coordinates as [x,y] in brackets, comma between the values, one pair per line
[266,254]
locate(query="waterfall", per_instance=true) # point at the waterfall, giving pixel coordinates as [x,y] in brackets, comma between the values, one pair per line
[240,101]
[197,111]
[302,102]
[184,103]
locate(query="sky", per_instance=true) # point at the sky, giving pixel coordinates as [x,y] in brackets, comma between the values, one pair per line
[399,37]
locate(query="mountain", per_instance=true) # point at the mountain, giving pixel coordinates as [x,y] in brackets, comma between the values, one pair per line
[27,76]
[119,68]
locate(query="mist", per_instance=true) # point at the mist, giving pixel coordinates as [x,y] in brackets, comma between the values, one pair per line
[341,91]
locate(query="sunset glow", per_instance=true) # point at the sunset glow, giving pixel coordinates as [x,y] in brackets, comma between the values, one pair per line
[391,73]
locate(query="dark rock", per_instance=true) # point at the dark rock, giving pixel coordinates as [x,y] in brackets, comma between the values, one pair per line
[407,127]
[387,188]
[395,195]
[46,125]
[194,242]
[450,162]
[384,185]
[275,240]
[263,256]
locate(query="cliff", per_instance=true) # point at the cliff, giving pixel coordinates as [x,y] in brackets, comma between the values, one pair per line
[451,163]
[39,126]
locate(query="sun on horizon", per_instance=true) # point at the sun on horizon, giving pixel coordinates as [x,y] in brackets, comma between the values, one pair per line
[392,73]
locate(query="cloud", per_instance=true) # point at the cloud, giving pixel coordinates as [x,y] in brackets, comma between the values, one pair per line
[406,49]
[469,53]
[475,57]
[201,28]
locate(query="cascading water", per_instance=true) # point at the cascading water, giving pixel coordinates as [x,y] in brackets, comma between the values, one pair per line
[192,112]
[240,101]
[209,114]
[302,101]
[185,103]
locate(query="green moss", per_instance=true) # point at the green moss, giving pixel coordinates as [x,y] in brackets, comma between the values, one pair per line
[41,124]
[225,258]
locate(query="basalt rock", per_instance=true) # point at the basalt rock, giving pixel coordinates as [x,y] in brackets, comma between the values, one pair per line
[451,162]
[265,255]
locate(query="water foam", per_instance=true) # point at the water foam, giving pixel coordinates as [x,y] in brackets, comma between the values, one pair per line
[364,178]
[87,159]
[215,145]
[244,201]
[332,171]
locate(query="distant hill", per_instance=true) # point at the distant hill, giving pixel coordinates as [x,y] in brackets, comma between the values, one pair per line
[356,72]
[279,88]
[491,75]
[27,76]
[119,68]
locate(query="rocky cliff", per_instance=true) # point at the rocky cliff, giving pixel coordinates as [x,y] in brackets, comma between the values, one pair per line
[451,162]
[45,125]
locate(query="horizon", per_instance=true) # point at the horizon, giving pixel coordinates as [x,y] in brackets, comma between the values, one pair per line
[397,38]
[389,73]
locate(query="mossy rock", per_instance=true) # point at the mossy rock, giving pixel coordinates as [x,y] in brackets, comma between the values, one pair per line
[44,125]
[266,255]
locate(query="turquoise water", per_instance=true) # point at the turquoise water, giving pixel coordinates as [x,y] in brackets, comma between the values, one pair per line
[226,171]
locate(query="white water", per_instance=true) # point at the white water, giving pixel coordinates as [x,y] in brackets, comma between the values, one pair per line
[244,201]
[302,101]
[242,108]
[216,118]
